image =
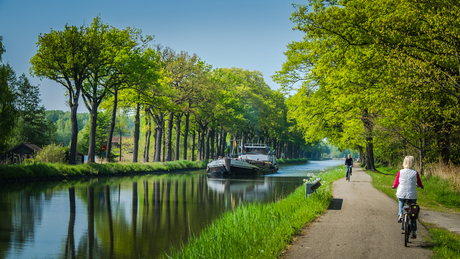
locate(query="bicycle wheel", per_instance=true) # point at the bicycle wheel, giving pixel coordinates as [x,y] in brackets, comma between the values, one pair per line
[406,229]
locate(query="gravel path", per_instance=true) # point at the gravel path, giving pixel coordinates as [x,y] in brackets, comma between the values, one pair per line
[360,223]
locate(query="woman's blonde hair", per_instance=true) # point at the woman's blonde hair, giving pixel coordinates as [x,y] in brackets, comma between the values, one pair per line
[408,162]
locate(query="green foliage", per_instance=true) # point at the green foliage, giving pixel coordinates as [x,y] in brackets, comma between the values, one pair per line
[377,69]
[7,108]
[52,154]
[62,123]
[260,230]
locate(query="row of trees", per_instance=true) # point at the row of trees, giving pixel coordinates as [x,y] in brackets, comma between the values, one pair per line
[22,118]
[379,76]
[113,69]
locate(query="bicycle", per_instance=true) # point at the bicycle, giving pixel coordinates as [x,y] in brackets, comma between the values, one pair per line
[348,173]
[410,212]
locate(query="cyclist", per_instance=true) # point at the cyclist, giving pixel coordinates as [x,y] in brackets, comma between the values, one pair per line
[407,181]
[349,165]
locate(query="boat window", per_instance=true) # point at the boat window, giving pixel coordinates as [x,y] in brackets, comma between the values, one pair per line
[256,150]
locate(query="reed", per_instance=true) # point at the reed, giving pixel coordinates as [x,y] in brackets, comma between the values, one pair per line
[260,230]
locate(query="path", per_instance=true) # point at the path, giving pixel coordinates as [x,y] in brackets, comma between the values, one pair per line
[360,223]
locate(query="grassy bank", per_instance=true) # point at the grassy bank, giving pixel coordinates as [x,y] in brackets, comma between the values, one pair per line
[440,195]
[260,230]
[292,160]
[64,171]
[50,170]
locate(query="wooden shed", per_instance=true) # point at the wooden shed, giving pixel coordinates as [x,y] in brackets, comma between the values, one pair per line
[21,152]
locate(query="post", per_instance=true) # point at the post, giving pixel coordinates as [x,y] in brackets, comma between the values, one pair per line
[312,186]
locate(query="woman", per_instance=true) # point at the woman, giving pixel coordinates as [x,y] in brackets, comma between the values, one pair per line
[407,181]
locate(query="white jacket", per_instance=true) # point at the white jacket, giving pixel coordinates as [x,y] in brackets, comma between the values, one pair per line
[407,181]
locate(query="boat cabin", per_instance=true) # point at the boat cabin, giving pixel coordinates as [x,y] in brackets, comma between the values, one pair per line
[256,149]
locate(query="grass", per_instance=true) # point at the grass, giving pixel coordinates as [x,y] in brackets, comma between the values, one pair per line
[57,170]
[444,243]
[65,171]
[292,160]
[260,230]
[438,194]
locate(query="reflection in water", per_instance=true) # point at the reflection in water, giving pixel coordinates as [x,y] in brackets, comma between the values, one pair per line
[122,220]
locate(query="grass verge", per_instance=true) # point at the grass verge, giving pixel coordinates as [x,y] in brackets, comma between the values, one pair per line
[51,170]
[438,195]
[260,230]
[63,171]
[444,243]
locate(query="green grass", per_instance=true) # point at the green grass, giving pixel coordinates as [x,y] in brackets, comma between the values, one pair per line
[292,160]
[260,230]
[444,243]
[62,171]
[438,194]
[50,170]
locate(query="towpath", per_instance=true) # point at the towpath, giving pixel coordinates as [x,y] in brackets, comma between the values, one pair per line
[360,223]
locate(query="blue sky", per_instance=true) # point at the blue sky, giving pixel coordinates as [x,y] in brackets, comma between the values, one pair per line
[247,34]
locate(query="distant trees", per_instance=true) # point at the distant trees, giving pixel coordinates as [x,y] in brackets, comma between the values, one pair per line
[164,90]
[7,101]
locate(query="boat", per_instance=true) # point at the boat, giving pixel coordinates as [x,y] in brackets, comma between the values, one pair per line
[254,159]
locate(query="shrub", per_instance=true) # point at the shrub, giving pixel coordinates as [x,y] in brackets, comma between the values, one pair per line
[52,154]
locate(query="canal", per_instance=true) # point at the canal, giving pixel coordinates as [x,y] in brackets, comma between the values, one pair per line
[128,217]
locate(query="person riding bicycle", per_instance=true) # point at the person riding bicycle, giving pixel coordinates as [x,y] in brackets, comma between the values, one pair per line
[349,165]
[407,181]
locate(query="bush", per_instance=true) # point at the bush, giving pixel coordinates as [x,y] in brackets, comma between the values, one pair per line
[52,154]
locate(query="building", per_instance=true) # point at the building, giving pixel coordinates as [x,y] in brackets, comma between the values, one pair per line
[21,152]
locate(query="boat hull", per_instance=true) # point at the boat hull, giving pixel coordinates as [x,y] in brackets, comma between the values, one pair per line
[235,167]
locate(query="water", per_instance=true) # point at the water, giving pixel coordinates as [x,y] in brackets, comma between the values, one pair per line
[127,217]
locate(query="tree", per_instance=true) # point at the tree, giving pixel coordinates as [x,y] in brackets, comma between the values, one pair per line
[31,122]
[64,57]
[7,103]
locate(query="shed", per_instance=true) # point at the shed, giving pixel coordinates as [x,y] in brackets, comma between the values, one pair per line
[21,152]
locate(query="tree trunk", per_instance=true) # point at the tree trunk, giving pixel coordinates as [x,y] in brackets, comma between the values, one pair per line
[224,143]
[361,155]
[159,133]
[148,133]
[137,123]
[368,127]
[92,132]
[213,134]
[198,152]
[73,142]
[193,146]
[169,137]
[112,125]
[187,118]
[207,144]
[177,153]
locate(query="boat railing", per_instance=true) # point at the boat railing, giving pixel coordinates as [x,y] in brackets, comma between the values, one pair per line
[255,145]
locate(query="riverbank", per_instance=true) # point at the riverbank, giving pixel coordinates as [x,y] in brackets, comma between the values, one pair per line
[439,195]
[57,171]
[261,230]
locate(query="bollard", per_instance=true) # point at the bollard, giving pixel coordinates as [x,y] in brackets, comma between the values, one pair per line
[312,186]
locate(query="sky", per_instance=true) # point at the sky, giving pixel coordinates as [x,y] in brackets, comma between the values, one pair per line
[249,34]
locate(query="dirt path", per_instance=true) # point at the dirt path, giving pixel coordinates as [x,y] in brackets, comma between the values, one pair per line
[360,223]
